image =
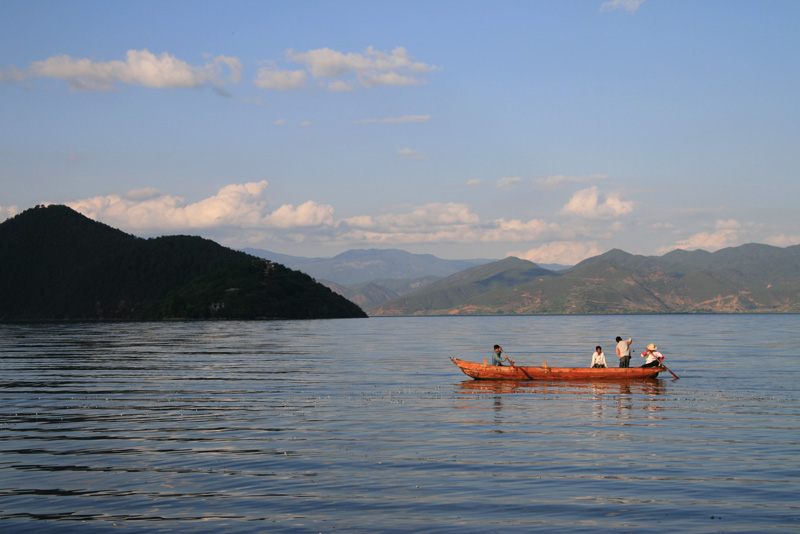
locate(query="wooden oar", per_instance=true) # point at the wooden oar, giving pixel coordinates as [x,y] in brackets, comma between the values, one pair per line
[507,358]
[667,368]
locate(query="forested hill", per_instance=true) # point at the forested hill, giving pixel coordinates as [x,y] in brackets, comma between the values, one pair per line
[745,279]
[56,264]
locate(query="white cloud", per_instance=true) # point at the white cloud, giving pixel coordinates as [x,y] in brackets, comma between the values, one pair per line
[508,182]
[336,71]
[280,80]
[431,223]
[395,120]
[726,234]
[441,223]
[8,212]
[411,153]
[343,71]
[245,207]
[625,5]
[561,252]
[243,210]
[709,241]
[588,204]
[307,214]
[432,215]
[234,205]
[515,230]
[474,182]
[140,67]
[551,183]
[783,240]
[241,206]
[240,213]
[280,122]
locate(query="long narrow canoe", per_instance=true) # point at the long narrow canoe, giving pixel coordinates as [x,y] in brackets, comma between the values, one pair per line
[481,371]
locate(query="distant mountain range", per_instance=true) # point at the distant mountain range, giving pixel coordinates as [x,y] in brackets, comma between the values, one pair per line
[366,265]
[370,277]
[749,278]
[56,264]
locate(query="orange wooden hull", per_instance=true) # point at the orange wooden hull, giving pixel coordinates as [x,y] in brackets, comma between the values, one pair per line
[480,371]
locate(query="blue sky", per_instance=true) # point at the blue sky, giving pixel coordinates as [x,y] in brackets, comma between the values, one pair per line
[549,130]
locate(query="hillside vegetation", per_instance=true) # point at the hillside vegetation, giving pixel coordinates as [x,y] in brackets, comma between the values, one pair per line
[56,264]
[749,278]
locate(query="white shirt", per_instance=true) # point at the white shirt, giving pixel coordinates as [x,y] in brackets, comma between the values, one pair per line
[598,358]
[652,356]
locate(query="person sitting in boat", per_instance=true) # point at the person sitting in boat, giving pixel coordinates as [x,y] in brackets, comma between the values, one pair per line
[598,358]
[653,356]
[498,357]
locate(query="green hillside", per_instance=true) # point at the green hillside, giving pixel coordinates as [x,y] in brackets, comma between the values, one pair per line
[750,278]
[56,264]
[461,292]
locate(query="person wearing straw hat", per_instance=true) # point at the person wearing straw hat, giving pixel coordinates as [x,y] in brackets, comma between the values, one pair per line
[653,356]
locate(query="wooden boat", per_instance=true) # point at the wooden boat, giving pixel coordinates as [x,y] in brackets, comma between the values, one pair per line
[482,371]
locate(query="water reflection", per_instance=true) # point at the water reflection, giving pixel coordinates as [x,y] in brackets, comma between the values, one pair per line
[505,387]
[592,403]
[316,427]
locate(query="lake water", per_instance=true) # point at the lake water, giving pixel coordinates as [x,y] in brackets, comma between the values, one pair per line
[365,426]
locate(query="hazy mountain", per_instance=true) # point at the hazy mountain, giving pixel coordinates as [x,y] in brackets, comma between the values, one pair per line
[370,277]
[366,265]
[461,293]
[56,264]
[749,278]
[372,294]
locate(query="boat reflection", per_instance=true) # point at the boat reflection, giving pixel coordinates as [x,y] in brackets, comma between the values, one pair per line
[617,402]
[505,387]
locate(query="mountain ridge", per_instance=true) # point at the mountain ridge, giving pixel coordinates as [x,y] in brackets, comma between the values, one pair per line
[56,264]
[358,266]
[749,278]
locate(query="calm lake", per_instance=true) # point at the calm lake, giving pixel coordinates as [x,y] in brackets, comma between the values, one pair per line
[365,426]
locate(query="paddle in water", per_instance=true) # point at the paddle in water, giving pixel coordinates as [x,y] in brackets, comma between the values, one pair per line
[670,372]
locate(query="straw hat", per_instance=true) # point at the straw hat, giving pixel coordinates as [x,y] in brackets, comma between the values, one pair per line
[651,347]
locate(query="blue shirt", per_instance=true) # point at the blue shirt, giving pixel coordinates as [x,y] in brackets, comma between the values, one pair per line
[498,357]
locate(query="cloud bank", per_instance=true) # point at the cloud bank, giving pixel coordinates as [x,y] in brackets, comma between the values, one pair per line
[345,71]
[331,69]
[244,216]
[236,205]
[140,67]
[246,207]
[590,204]
[561,252]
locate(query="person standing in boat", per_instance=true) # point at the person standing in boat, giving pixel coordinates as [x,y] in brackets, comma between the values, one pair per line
[498,356]
[624,351]
[653,356]
[598,358]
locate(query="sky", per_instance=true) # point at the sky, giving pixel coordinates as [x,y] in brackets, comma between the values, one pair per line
[548,130]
